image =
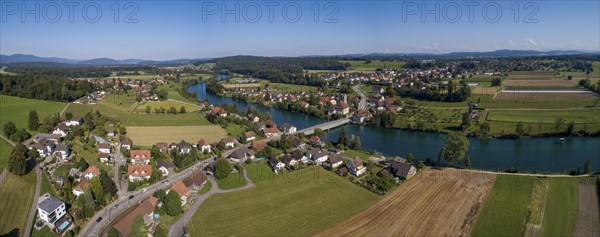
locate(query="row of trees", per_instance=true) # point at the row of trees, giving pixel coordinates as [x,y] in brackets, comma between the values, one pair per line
[44,87]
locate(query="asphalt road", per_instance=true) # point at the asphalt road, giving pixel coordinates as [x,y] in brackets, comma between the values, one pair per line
[363,98]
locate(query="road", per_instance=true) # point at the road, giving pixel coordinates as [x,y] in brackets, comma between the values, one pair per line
[108,213]
[363,98]
[325,126]
[177,228]
[119,160]
[38,173]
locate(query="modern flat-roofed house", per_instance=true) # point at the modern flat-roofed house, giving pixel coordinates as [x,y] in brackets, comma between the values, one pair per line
[139,172]
[51,210]
[140,157]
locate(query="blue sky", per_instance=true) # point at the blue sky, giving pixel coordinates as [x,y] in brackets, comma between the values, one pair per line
[194,29]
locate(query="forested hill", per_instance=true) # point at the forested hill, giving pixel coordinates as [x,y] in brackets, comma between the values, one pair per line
[278,69]
[44,87]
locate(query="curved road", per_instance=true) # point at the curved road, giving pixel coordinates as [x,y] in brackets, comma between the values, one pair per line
[177,228]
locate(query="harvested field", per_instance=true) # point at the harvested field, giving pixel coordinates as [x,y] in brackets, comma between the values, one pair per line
[587,222]
[534,75]
[538,83]
[531,94]
[433,203]
[148,136]
[485,90]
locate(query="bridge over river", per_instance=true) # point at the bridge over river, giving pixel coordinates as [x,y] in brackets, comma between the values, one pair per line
[325,126]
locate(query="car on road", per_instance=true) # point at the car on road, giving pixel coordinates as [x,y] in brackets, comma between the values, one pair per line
[115,206]
[130,197]
[143,190]
[99,219]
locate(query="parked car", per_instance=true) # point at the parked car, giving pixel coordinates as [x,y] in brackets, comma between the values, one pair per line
[130,197]
[99,219]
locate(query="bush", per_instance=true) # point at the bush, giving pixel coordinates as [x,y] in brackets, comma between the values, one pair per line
[222,169]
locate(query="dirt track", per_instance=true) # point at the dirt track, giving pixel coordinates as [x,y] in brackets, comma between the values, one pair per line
[433,203]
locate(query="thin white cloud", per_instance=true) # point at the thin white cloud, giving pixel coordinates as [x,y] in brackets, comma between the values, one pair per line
[531,41]
[512,44]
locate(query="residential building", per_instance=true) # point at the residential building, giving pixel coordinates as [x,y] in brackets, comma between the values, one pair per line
[229,142]
[140,157]
[249,136]
[401,169]
[104,148]
[80,187]
[164,167]
[75,121]
[289,160]
[258,145]
[139,172]
[105,157]
[276,165]
[270,132]
[356,167]
[51,210]
[195,181]
[62,151]
[333,162]
[218,111]
[182,190]
[317,155]
[288,128]
[126,144]
[61,129]
[91,172]
[240,154]
[203,146]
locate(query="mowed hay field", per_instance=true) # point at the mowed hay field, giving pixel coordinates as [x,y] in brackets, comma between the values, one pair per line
[533,95]
[164,104]
[433,203]
[561,207]
[148,136]
[302,203]
[17,109]
[589,116]
[16,195]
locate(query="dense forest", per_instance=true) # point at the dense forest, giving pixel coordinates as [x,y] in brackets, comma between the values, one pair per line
[44,87]
[284,70]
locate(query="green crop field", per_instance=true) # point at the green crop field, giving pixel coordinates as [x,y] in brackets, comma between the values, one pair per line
[362,65]
[290,204]
[16,195]
[17,109]
[506,207]
[561,207]
[532,116]
[535,75]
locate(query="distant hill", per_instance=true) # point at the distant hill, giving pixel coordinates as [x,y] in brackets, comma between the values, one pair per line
[30,59]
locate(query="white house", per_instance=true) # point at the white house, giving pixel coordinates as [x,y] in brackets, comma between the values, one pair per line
[62,151]
[229,142]
[182,190]
[75,121]
[276,164]
[51,210]
[91,172]
[80,187]
[61,129]
[203,146]
[301,157]
[317,155]
[139,172]
[356,167]
[288,128]
[333,162]
[104,148]
[104,157]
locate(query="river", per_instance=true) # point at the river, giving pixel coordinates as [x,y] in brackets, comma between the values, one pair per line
[526,155]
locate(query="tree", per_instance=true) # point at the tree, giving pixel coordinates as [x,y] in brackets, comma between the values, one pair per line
[182,110]
[355,143]
[160,194]
[455,147]
[108,184]
[34,121]
[172,110]
[222,169]
[173,204]
[148,109]
[113,232]
[558,123]
[343,140]
[17,163]
[410,158]
[160,231]
[520,129]
[484,128]
[571,127]
[89,206]
[138,228]
[9,129]
[587,167]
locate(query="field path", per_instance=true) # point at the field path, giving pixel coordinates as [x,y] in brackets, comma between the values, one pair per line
[177,228]
[38,182]
[64,109]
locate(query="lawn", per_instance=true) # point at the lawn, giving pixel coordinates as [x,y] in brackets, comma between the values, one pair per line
[291,204]
[16,196]
[148,136]
[354,153]
[171,88]
[234,130]
[17,109]
[91,156]
[561,207]
[506,207]
[532,116]
[46,186]
[164,104]
[5,149]
[535,75]
[207,186]
[362,65]
[232,181]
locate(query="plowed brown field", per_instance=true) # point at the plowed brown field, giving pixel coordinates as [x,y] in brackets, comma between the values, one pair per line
[433,203]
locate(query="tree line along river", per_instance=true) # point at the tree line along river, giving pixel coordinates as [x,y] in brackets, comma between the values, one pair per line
[526,155]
